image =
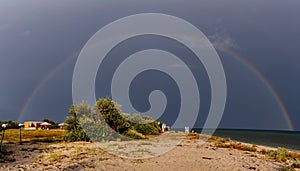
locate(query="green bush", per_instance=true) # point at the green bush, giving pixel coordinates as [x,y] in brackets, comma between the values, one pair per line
[134,134]
[147,129]
[76,134]
[144,124]
[105,118]
[73,128]
[279,155]
[283,155]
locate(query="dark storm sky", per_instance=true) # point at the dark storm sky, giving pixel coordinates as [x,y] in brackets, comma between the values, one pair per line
[37,36]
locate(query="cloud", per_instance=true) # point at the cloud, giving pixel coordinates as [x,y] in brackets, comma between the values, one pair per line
[222,40]
[218,39]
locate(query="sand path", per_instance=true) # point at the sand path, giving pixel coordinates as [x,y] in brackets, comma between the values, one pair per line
[186,156]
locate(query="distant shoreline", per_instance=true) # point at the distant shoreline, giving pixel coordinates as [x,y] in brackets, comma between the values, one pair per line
[284,139]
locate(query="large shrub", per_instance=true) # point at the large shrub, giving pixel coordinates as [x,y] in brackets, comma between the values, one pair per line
[106,122]
[111,114]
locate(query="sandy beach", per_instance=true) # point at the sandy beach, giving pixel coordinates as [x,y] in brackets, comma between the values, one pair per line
[189,154]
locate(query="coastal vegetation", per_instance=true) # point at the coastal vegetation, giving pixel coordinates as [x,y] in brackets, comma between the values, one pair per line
[290,159]
[106,122]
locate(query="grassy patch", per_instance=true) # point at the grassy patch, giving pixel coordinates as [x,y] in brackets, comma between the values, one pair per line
[13,135]
[218,139]
[192,136]
[228,143]
[283,155]
[279,155]
[238,146]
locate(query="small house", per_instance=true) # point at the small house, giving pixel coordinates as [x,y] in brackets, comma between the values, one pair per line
[32,125]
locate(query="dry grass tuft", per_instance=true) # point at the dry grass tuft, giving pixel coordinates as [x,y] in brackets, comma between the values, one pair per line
[228,143]
[192,136]
[218,139]
[238,146]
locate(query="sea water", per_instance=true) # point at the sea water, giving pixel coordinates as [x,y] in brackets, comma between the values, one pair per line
[283,139]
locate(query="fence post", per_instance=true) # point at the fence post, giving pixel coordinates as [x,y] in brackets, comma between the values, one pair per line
[20,127]
[3,130]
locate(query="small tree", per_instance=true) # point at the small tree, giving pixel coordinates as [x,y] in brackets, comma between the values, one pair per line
[73,128]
